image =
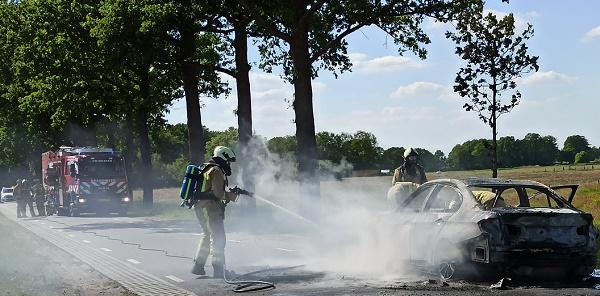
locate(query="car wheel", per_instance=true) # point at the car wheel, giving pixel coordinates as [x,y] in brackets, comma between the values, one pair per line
[446,270]
[446,261]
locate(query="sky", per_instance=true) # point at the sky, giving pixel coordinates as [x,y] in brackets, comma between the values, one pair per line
[408,102]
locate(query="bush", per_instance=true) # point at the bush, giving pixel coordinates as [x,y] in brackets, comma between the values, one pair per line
[581,157]
[168,175]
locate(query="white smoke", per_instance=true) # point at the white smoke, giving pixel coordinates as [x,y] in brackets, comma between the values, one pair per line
[358,233]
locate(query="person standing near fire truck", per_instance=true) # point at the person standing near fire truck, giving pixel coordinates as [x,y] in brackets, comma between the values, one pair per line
[28,197]
[210,211]
[20,199]
[40,198]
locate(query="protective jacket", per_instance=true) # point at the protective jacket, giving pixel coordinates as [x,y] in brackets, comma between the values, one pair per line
[214,183]
[18,192]
[409,173]
[38,191]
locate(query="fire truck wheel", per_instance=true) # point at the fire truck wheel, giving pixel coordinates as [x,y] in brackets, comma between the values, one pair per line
[73,212]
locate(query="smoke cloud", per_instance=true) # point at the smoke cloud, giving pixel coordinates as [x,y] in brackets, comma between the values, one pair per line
[358,235]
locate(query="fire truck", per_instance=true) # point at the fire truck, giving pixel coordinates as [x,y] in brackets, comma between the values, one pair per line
[85,180]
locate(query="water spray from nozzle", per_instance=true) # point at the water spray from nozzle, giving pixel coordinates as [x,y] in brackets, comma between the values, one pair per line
[238,190]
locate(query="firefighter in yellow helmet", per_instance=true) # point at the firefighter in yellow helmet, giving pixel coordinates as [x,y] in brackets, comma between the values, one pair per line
[210,211]
[410,170]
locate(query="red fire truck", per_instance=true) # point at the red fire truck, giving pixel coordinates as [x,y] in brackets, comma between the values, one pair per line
[85,179]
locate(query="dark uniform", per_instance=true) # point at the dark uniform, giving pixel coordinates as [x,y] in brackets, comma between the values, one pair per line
[20,199]
[28,198]
[409,173]
[40,198]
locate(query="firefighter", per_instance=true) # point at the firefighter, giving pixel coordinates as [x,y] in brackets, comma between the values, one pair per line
[410,170]
[210,211]
[20,199]
[40,198]
[28,197]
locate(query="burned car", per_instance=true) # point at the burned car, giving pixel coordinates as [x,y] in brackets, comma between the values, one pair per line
[495,227]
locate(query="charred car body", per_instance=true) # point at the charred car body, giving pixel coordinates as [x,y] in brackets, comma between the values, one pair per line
[491,227]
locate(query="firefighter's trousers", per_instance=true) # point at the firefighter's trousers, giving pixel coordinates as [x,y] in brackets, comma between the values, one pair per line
[21,204]
[210,214]
[39,203]
[30,205]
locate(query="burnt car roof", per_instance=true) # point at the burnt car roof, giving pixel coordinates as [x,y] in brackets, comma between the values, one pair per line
[494,182]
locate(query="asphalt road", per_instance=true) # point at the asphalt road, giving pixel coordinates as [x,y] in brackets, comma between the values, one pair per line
[32,266]
[136,251]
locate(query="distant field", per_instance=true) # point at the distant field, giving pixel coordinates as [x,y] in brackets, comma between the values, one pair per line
[372,191]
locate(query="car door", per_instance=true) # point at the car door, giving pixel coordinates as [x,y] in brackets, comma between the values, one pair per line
[419,223]
[442,203]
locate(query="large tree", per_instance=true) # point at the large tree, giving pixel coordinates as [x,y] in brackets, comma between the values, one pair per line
[495,56]
[305,36]
[57,75]
[573,145]
[137,51]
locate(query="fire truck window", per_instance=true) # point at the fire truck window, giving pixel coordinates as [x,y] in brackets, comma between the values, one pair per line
[73,170]
[102,168]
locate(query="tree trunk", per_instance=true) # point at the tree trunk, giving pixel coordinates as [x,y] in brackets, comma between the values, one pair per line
[144,140]
[111,141]
[494,140]
[91,131]
[242,78]
[129,153]
[190,78]
[244,111]
[305,123]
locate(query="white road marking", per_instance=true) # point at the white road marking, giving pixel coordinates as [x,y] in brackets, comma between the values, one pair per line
[70,235]
[133,261]
[285,250]
[197,234]
[86,241]
[234,241]
[105,249]
[42,223]
[174,278]
[59,230]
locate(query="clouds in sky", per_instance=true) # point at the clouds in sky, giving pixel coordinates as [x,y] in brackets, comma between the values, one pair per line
[546,77]
[418,88]
[425,90]
[388,64]
[592,34]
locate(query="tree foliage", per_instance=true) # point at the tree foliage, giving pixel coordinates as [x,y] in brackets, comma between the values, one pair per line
[572,146]
[495,56]
[303,37]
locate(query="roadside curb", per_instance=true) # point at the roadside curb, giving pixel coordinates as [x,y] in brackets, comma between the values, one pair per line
[133,279]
